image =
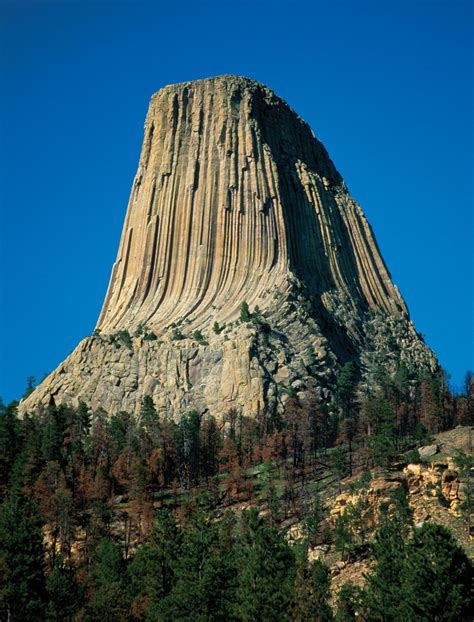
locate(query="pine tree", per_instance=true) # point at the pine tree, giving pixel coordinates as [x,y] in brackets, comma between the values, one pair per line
[108,602]
[150,573]
[313,520]
[438,578]
[64,595]
[265,571]
[22,582]
[348,603]
[188,432]
[245,315]
[311,593]
[203,569]
[384,586]
[382,444]
[9,444]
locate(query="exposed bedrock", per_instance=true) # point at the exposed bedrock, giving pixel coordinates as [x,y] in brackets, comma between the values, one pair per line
[235,200]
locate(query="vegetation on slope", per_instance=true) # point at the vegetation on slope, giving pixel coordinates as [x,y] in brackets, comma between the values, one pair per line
[148,519]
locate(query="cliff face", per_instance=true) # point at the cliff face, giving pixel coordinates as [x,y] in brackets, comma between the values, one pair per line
[235,200]
[233,193]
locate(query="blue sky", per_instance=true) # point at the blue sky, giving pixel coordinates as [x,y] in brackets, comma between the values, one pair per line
[387,86]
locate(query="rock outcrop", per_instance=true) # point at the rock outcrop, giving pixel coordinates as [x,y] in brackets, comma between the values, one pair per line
[235,200]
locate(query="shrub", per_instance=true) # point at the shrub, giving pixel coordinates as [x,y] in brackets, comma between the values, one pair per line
[176,335]
[125,338]
[150,336]
[199,337]
[245,315]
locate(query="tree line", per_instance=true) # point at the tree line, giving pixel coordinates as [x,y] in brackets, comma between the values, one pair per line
[85,497]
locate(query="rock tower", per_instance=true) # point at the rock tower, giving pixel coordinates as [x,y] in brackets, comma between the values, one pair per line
[235,201]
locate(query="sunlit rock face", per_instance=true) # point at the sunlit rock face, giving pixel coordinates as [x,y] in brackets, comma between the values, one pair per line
[233,194]
[235,200]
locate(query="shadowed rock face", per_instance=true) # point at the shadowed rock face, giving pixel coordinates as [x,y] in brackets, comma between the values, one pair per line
[235,200]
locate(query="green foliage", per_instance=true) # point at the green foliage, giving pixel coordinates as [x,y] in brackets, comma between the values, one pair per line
[203,569]
[22,582]
[64,595]
[150,336]
[106,580]
[438,577]
[348,603]
[122,337]
[344,536]
[176,335]
[188,445]
[30,386]
[264,578]
[346,381]
[382,444]
[199,337]
[338,462]
[10,443]
[264,586]
[465,464]
[148,416]
[217,328]
[364,479]
[140,330]
[245,315]
[426,577]
[412,457]
[151,572]
[311,593]
[269,490]
[312,524]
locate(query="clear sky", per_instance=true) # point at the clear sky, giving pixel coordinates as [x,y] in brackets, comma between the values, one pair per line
[387,86]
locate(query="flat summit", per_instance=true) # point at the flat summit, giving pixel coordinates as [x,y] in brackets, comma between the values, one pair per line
[236,203]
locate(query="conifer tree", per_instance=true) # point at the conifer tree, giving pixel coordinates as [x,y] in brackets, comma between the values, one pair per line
[265,571]
[64,595]
[22,581]
[202,570]
[150,573]
[9,444]
[438,578]
[108,602]
[311,593]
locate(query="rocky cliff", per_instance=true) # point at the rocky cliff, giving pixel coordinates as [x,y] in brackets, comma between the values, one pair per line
[235,200]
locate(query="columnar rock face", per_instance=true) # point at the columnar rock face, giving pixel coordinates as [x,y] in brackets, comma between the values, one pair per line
[235,200]
[233,193]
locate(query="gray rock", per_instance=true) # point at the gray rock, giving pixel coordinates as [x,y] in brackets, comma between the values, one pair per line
[428,450]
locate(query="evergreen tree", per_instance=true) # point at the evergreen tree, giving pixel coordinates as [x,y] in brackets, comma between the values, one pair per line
[311,593]
[9,444]
[383,443]
[188,433]
[150,573]
[245,315]
[348,603]
[108,602]
[63,594]
[313,520]
[22,582]
[437,578]
[465,464]
[265,571]
[384,585]
[52,446]
[203,569]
